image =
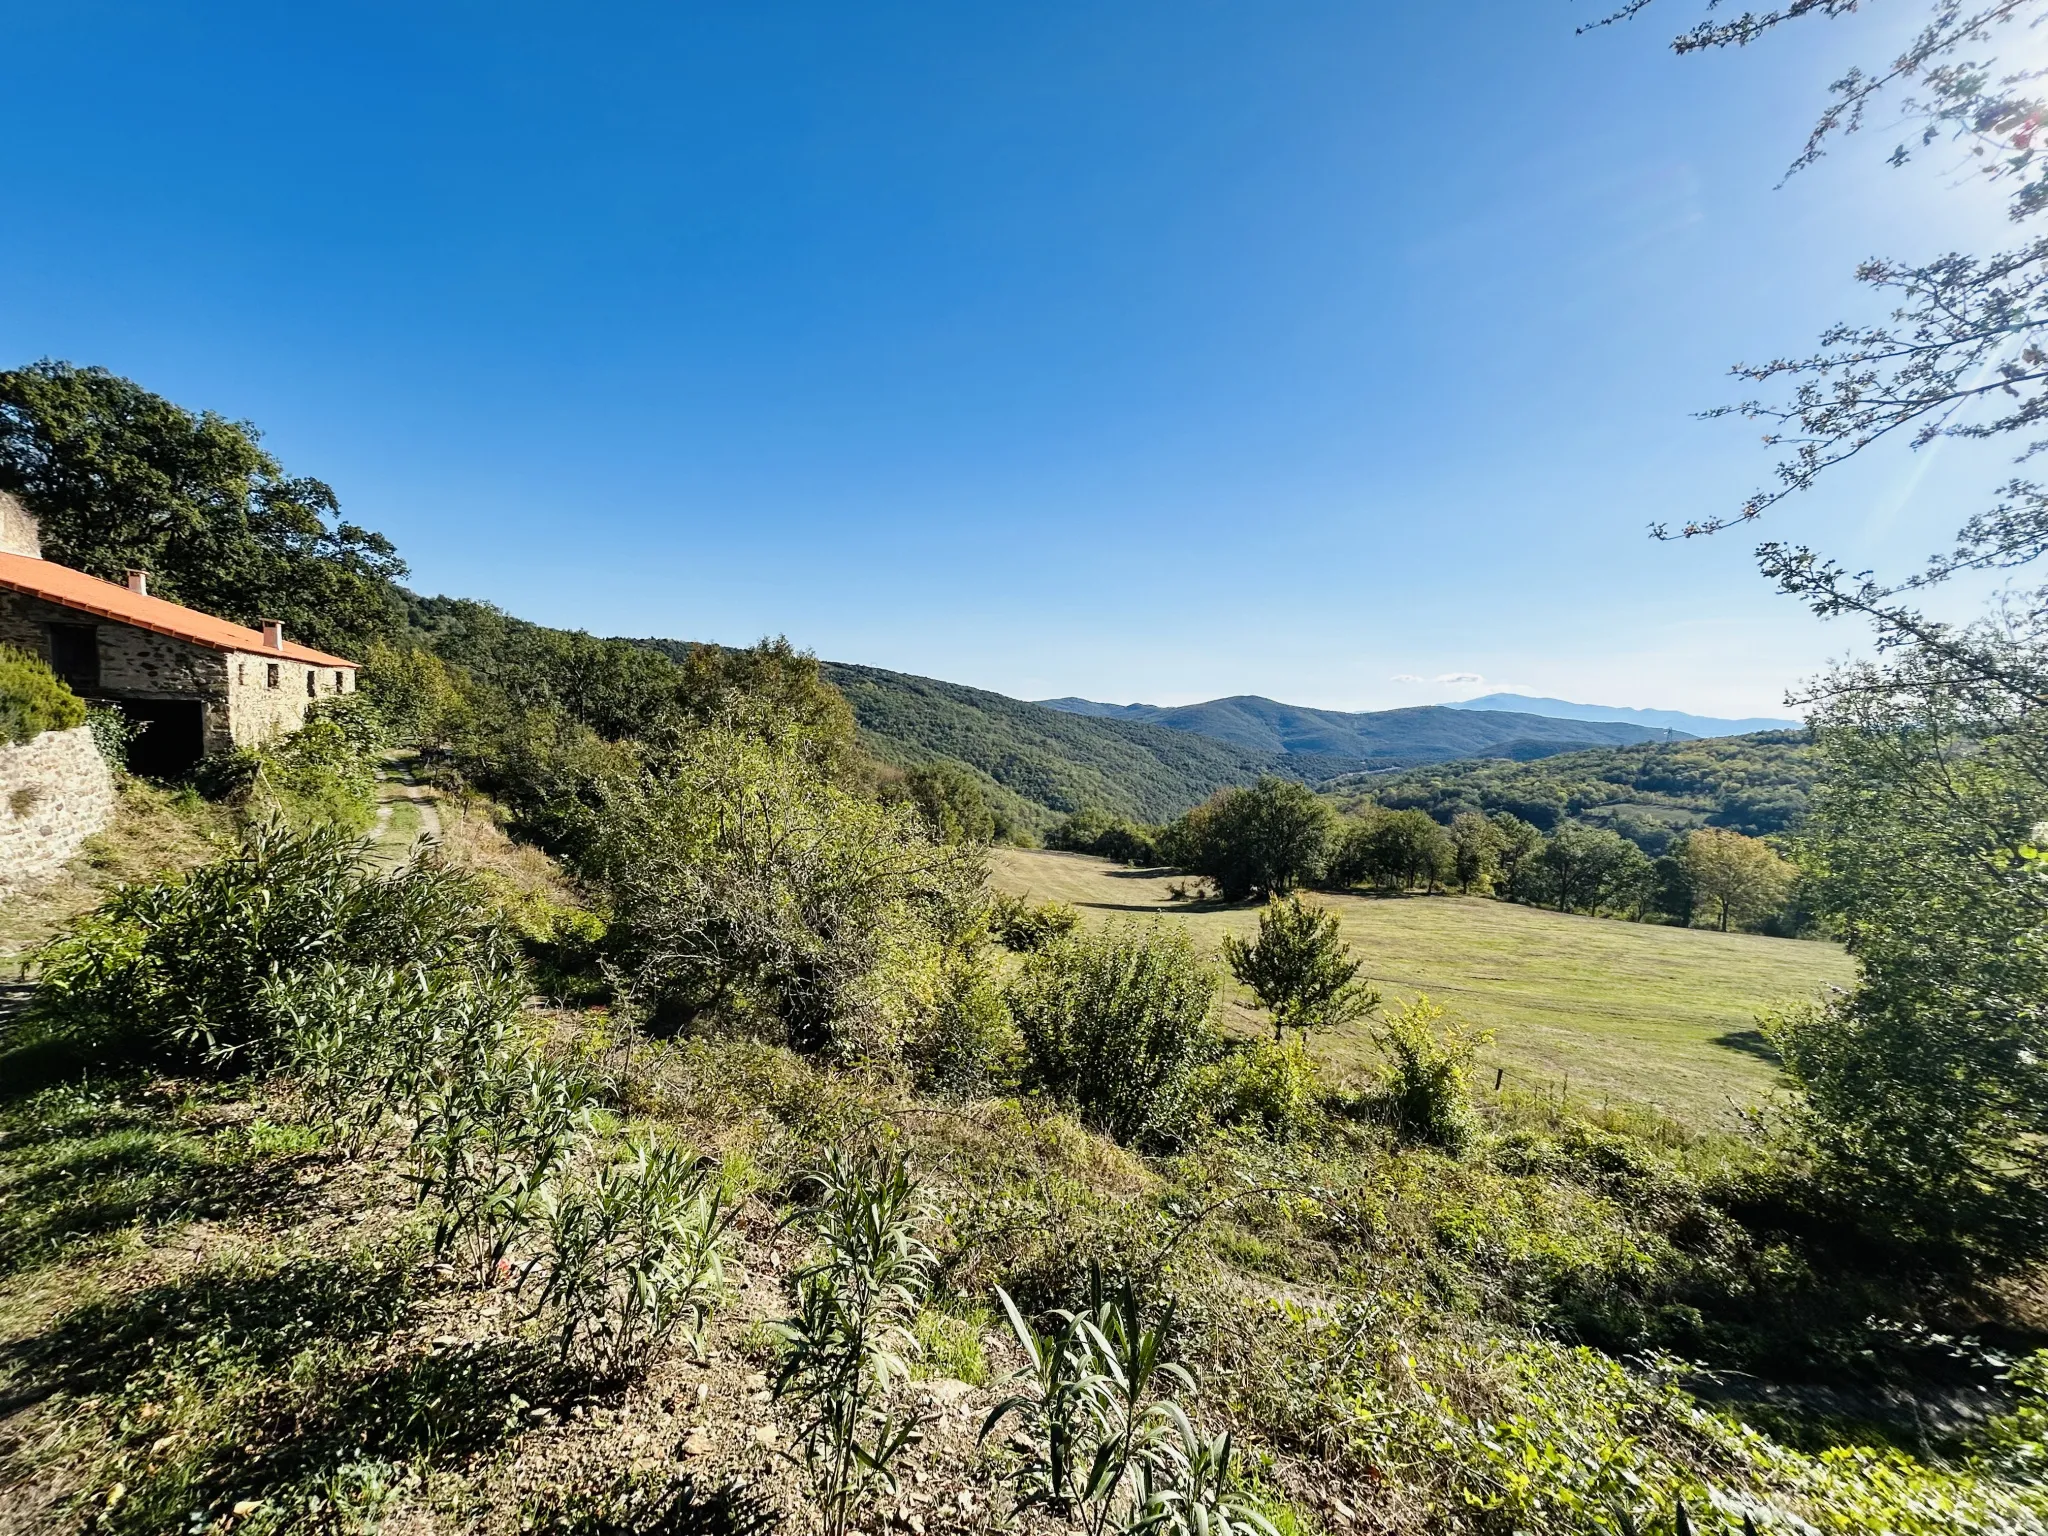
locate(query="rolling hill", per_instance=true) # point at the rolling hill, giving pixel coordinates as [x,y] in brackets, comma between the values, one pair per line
[1651,793]
[1051,761]
[1386,738]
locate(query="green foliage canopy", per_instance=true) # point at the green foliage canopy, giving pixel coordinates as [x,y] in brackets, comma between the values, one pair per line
[744,883]
[1115,1022]
[1267,839]
[1926,1088]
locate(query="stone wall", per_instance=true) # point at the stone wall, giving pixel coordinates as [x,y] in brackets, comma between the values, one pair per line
[257,712]
[55,792]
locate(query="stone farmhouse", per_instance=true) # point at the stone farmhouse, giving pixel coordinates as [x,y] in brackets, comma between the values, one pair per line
[199,684]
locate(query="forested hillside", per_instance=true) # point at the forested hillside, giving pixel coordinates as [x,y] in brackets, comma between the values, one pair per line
[1056,761]
[1650,793]
[1382,738]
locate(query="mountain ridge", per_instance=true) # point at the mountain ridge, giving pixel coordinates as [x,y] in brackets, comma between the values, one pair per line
[1382,738]
[1656,719]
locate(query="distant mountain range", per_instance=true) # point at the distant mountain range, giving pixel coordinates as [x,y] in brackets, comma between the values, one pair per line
[1672,719]
[1040,761]
[1385,738]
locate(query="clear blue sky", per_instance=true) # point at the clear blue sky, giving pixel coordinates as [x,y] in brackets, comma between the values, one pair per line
[1144,351]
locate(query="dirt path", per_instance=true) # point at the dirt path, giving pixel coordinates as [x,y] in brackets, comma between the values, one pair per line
[408,812]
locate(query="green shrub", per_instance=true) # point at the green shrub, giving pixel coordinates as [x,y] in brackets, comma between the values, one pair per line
[964,1042]
[188,960]
[1027,926]
[1105,836]
[1115,1023]
[112,733]
[323,774]
[33,699]
[746,885]
[1263,1083]
[1428,1097]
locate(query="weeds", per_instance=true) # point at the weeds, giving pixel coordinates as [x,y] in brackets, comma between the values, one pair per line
[851,1343]
[1106,1445]
[1427,1093]
[632,1255]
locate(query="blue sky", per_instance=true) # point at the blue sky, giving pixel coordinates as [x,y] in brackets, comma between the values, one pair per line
[1143,351]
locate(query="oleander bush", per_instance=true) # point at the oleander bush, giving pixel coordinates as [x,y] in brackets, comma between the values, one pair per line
[187,961]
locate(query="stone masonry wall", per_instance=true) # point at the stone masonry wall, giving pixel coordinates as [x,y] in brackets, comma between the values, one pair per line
[257,712]
[55,792]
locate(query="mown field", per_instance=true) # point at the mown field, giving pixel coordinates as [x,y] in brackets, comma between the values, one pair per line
[1586,1006]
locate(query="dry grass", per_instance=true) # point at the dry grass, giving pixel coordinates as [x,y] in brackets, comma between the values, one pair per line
[154,832]
[1601,1009]
[473,835]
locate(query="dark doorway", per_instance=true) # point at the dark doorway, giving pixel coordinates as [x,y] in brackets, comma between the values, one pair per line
[75,656]
[171,736]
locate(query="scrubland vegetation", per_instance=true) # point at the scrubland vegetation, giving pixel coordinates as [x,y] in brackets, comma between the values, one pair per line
[715,1150]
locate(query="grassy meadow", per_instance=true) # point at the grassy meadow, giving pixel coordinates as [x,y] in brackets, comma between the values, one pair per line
[1589,1006]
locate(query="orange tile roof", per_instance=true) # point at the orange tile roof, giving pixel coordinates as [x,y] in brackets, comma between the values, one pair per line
[110,600]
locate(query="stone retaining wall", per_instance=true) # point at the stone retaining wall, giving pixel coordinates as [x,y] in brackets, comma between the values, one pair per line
[55,792]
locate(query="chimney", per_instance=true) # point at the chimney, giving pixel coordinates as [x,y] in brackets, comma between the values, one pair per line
[138,583]
[273,634]
[18,533]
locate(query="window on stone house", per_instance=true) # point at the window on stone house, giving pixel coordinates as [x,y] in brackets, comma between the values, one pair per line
[312,683]
[272,679]
[337,682]
[75,655]
[241,674]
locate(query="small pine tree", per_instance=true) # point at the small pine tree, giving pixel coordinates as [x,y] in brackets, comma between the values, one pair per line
[1302,971]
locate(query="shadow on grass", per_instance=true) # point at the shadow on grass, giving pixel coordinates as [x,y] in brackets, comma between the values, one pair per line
[121,1171]
[37,1053]
[235,1316]
[1750,1042]
[314,1394]
[672,1505]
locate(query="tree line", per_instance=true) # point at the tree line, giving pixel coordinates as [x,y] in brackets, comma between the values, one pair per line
[1275,836]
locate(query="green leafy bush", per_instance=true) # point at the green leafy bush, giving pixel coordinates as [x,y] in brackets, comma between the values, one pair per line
[964,1041]
[1268,1084]
[33,699]
[189,960]
[745,885]
[1115,1023]
[1106,836]
[1428,1097]
[1027,926]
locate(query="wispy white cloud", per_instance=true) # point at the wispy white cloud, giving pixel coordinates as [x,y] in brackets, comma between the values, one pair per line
[1460,677]
[1406,677]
